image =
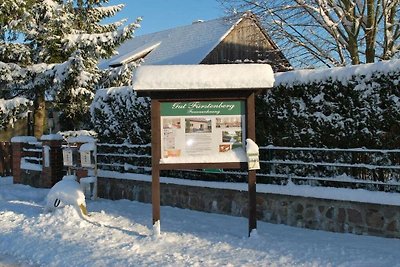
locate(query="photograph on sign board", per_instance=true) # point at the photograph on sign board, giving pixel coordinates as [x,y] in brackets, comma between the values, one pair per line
[228,122]
[224,147]
[197,125]
[171,123]
[232,136]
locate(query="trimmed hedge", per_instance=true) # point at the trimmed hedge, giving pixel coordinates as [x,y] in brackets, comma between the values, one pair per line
[357,106]
[120,116]
[340,108]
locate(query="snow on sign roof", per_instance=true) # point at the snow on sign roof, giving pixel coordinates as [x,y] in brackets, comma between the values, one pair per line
[189,77]
[188,44]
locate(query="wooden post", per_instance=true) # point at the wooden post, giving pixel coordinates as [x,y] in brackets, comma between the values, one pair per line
[155,159]
[250,112]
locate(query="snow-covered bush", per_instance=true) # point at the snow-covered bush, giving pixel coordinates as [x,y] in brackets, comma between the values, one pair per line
[119,115]
[357,106]
[13,109]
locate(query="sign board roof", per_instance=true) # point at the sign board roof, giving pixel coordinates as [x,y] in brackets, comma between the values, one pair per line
[203,77]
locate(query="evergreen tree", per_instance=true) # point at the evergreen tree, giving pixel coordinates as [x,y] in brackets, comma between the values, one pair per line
[50,49]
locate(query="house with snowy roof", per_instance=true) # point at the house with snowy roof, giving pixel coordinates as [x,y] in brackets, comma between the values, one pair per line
[237,39]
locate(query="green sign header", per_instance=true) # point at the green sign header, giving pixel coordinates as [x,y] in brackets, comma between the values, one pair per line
[202,108]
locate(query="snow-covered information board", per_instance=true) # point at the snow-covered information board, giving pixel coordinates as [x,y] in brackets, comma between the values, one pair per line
[202,131]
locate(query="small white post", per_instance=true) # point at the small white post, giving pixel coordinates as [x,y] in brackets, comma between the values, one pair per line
[46,158]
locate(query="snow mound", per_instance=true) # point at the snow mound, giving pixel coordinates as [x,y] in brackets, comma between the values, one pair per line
[65,192]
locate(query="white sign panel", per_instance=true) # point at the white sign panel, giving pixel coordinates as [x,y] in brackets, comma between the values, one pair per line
[202,132]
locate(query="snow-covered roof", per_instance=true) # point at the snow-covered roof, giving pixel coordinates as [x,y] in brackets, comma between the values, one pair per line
[182,45]
[189,77]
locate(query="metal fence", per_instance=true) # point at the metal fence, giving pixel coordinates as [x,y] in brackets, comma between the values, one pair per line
[372,169]
[124,157]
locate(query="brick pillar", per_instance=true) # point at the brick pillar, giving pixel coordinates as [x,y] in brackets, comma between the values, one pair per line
[18,143]
[52,171]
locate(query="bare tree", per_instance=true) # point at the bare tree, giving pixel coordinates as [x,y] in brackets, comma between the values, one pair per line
[312,33]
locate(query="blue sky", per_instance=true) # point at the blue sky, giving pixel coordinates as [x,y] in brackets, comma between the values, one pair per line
[159,15]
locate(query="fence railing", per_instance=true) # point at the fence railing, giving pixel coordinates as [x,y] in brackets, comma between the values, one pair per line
[32,156]
[124,157]
[372,169]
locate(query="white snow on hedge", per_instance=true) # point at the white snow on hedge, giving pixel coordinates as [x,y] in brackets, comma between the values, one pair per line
[68,134]
[49,137]
[104,94]
[81,139]
[115,107]
[187,77]
[341,74]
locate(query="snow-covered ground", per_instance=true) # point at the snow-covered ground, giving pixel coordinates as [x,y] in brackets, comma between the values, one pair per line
[119,233]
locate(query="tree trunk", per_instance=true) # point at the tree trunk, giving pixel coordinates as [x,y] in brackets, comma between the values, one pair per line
[370,32]
[353,50]
[39,115]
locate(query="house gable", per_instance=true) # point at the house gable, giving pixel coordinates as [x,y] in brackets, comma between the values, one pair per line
[236,39]
[247,42]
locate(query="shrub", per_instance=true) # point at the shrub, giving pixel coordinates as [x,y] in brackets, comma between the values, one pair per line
[120,116]
[357,106]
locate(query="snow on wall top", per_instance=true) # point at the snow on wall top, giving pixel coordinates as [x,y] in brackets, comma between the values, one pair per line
[188,44]
[81,139]
[186,77]
[23,139]
[49,137]
[341,74]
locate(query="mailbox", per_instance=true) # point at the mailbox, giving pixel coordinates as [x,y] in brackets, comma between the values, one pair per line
[87,152]
[70,156]
[252,152]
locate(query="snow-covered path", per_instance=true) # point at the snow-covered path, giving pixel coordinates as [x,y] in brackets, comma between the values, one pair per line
[119,233]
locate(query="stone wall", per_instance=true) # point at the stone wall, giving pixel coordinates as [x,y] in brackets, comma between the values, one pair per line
[312,213]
